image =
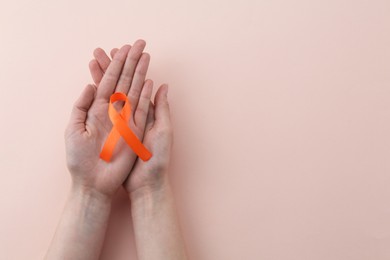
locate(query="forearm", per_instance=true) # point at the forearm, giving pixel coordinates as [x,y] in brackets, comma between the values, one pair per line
[156,226]
[80,233]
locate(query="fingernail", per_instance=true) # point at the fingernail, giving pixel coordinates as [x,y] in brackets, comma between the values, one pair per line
[166,90]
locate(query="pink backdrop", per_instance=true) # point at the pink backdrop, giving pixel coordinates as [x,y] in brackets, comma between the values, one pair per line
[281,112]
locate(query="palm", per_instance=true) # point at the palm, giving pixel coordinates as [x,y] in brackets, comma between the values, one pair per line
[86,149]
[146,173]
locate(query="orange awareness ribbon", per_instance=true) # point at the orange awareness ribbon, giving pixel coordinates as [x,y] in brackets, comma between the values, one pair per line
[120,128]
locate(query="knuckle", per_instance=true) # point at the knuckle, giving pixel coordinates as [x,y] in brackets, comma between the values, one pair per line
[125,77]
[165,131]
[141,111]
[110,76]
[134,93]
[133,58]
[140,71]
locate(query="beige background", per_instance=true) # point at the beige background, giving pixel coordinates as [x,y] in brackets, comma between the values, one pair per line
[281,112]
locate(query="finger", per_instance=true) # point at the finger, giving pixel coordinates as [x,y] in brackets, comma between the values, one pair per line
[142,110]
[113,51]
[150,117]
[132,59]
[102,58]
[162,114]
[81,107]
[139,79]
[96,71]
[112,74]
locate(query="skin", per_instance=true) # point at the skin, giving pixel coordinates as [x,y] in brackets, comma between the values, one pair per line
[81,230]
[158,131]
[148,186]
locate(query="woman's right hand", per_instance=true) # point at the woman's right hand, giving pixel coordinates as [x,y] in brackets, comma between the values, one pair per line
[158,137]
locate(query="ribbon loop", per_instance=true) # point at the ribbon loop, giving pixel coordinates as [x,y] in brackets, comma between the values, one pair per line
[120,128]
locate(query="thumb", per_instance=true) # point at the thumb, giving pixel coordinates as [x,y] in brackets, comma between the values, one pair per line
[162,115]
[81,107]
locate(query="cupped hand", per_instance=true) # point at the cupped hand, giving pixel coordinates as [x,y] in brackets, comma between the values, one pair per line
[158,136]
[90,125]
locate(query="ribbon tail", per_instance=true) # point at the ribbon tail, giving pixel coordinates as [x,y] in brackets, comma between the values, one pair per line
[109,145]
[132,140]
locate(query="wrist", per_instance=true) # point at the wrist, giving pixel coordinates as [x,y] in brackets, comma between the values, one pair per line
[150,203]
[151,189]
[89,195]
